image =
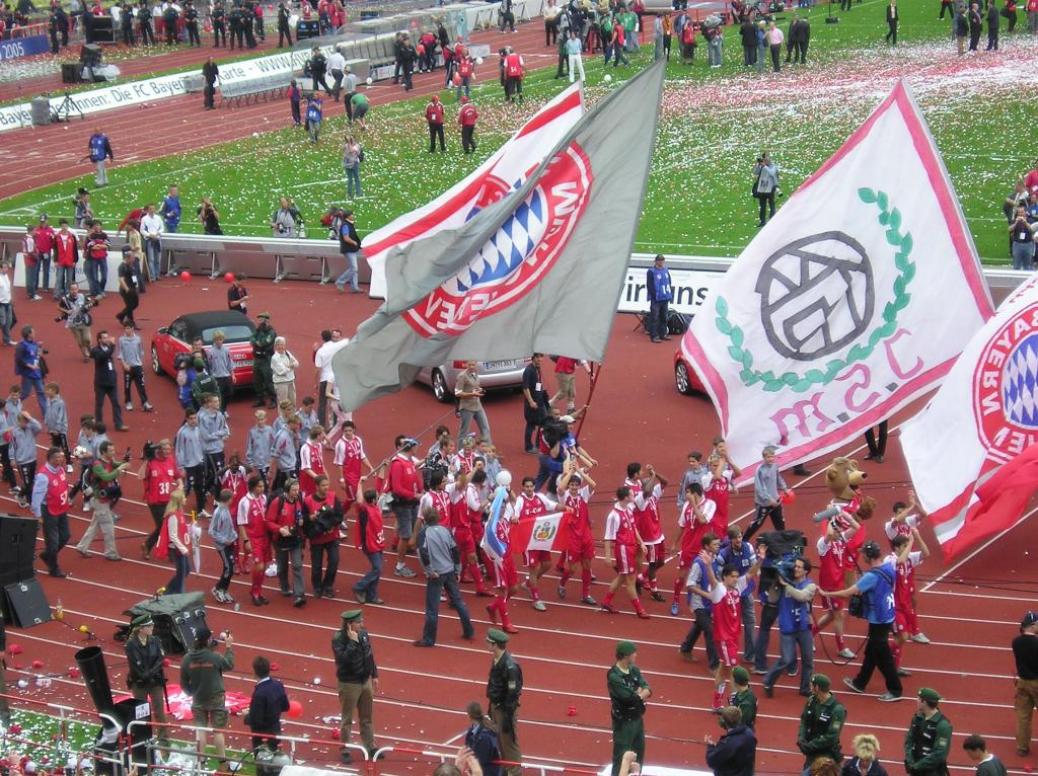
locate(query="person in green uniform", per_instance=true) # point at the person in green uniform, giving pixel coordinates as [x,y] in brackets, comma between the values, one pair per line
[928,738]
[987,764]
[743,697]
[628,692]
[821,723]
[504,686]
[262,349]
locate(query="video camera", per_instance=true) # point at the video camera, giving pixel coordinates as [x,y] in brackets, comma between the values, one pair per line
[782,548]
[149,451]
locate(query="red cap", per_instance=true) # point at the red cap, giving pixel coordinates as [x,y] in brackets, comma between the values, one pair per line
[464,99]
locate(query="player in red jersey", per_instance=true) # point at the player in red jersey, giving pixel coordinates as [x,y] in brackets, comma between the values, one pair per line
[439,497]
[252,535]
[650,528]
[622,543]
[468,525]
[903,523]
[718,490]
[575,490]
[504,574]
[531,504]
[311,461]
[905,560]
[726,615]
[694,522]
[349,454]
[832,552]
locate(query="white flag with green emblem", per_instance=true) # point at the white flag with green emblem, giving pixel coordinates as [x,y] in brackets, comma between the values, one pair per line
[855,299]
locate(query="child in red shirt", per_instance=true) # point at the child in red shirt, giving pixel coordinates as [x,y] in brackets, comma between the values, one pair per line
[371,541]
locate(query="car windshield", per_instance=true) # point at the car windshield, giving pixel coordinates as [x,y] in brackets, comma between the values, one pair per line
[232,333]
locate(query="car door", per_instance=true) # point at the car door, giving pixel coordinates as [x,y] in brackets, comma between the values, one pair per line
[173,343]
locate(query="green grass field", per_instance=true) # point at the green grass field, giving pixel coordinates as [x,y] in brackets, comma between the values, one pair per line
[714,123]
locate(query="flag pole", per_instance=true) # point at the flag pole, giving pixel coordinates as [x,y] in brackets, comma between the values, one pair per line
[596,370]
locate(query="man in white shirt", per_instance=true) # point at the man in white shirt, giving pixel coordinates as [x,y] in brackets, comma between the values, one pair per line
[151,232]
[6,306]
[332,342]
[337,67]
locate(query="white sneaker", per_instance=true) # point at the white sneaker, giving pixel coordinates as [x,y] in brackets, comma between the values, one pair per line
[129,406]
[87,506]
[846,653]
[540,606]
[920,638]
[403,571]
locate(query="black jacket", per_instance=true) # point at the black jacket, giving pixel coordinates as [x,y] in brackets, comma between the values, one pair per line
[104,367]
[505,683]
[734,754]
[354,660]
[268,701]
[145,662]
[850,768]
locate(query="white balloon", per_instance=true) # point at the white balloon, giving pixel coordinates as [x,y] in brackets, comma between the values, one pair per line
[504,478]
[479,60]
[607,78]
[369,81]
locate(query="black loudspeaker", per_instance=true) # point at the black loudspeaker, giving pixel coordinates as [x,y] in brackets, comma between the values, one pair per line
[91,662]
[17,548]
[25,604]
[69,73]
[185,627]
[307,29]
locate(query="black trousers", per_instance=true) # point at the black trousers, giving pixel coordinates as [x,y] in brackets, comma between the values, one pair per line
[436,131]
[209,96]
[767,202]
[131,301]
[992,39]
[192,34]
[131,377]
[777,520]
[226,391]
[219,34]
[214,463]
[112,393]
[468,142]
[705,626]
[157,511]
[195,481]
[61,440]
[55,536]
[877,446]
[879,655]
[227,558]
[147,35]
[5,461]
[319,554]
[284,33]
[891,36]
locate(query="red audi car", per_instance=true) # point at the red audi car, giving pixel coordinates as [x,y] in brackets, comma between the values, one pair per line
[175,339]
[685,378]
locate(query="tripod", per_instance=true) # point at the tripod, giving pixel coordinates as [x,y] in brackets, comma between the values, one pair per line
[67,108]
[830,19]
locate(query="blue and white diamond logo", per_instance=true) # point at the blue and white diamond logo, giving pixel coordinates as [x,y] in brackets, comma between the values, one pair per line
[1020,383]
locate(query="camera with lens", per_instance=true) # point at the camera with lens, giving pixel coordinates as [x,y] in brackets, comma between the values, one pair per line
[149,451]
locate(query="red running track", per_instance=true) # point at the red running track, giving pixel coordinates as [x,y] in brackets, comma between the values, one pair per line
[970,614]
[38,156]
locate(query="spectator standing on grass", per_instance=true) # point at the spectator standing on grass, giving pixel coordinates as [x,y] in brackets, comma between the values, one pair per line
[99,151]
[1010,14]
[359,105]
[575,62]
[892,22]
[434,118]
[352,157]
[83,213]
[993,23]
[151,230]
[775,39]
[171,210]
[975,25]
[765,186]
[314,116]
[467,117]
[295,98]
[286,219]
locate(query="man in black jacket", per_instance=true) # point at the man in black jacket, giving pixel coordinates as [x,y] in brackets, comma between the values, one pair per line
[800,41]
[358,680]
[504,686]
[146,676]
[284,30]
[210,72]
[106,380]
[993,21]
[268,702]
[735,753]
[318,68]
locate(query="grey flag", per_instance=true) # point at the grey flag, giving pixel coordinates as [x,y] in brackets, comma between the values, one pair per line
[539,270]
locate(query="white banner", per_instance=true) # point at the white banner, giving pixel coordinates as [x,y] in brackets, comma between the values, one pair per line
[854,300]
[690,290]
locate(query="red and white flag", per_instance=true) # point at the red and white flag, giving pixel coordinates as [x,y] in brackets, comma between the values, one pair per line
[545,532]
[506,170]
[971,452]
[855,299]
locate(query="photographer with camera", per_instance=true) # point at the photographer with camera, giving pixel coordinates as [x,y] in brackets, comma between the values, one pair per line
[285,524]
[765,185]
[322,516]
[146,674]
[794,619]
[104,479]
[201,677]
[74,308]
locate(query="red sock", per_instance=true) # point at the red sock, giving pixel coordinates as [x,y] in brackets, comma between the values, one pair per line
[535,594]
[679,583]
[501,604]
[637,604]
[608,600]
[565,577]
[477,576]
[258,572]
[585,583]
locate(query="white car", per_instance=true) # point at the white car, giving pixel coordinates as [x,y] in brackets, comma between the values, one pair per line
[492,374]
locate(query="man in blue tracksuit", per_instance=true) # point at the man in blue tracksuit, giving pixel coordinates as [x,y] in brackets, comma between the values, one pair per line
[171,211]
[660,292]
[100,152]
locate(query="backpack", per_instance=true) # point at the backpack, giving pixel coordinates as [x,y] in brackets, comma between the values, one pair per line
[204,383]
[859,604]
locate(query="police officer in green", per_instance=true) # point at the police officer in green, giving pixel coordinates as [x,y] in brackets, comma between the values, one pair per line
[928,738]
[628,691]
[262,349]
[504,686]
[821,723]
[743,697]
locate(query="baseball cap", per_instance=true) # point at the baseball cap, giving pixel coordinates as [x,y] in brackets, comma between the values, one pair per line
[1029,619]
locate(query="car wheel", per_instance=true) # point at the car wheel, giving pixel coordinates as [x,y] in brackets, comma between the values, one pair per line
[681,379]
[439,386]
[156,367]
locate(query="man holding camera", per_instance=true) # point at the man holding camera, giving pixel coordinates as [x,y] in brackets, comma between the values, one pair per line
[794,618]
[358,680]
[285,521]
[146,674]
[201,677]
[323,514]
[105,480]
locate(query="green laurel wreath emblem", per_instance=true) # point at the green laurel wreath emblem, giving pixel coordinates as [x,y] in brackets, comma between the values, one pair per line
[888,217]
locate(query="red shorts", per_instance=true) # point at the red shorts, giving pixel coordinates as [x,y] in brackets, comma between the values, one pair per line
[260,550]
[623,554]
[580,548]
[685,559]
[728,652]
[505,575]
[654,553]
[534,557]
[833,604]
[463,538]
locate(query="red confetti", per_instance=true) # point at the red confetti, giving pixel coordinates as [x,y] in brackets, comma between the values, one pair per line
[335,734]
[37,663]
[73,672]
[15,649]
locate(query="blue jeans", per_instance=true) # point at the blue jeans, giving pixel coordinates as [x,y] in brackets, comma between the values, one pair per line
[31,384]
[658,319]
[43,272]
[350,274]
[367,586]
[432,606]
[180,571]
[1023,255]
[790,641]
[768,615]
[66,276]
[153,250]
[97,275]
[32,276]
[353,178]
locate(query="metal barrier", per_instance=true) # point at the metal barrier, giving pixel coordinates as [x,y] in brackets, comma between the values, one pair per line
[428,754]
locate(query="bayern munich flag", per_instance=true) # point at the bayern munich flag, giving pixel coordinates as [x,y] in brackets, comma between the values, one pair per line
[855,299]
[539,267]
[971,452]
[507,168]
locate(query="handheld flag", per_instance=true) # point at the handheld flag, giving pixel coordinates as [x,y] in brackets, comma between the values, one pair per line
[972,451]
[507,167]
[853,301]
[540,269]
[545,532]
[492,543]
